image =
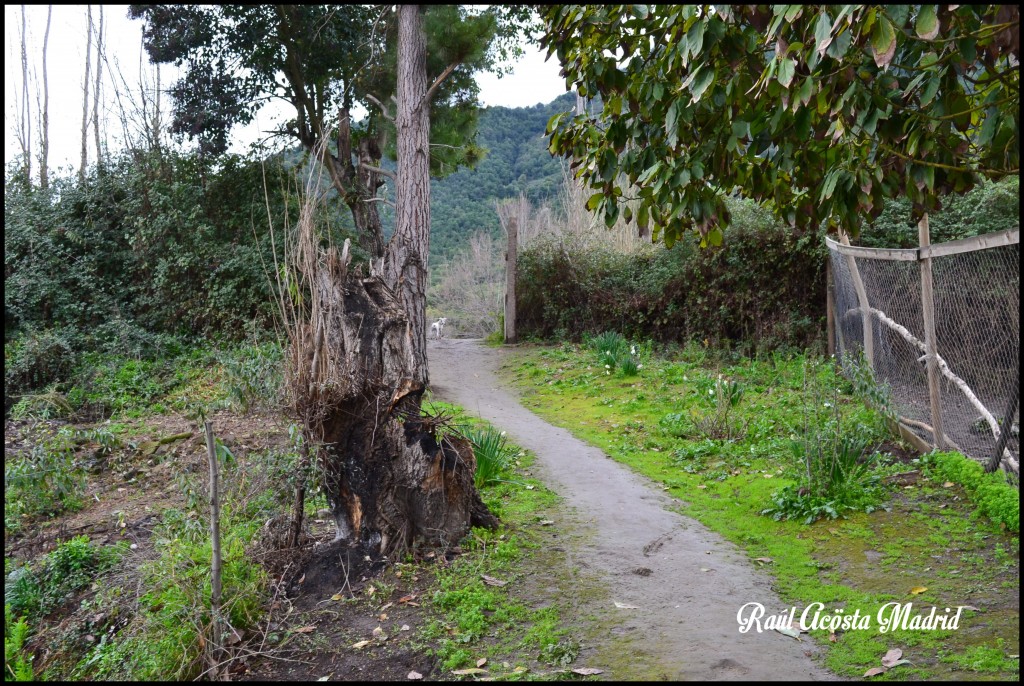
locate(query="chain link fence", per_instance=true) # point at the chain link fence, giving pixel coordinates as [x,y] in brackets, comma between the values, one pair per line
[878,319]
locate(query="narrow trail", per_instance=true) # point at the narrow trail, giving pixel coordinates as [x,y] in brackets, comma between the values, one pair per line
[684,619]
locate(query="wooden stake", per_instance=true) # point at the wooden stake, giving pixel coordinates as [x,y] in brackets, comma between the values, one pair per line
[865,307]
[928,310]
[510,280]
[215,653]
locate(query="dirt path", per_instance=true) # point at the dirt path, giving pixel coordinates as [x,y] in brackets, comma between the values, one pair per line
[684,623]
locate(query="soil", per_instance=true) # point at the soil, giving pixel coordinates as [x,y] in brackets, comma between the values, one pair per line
[675,586]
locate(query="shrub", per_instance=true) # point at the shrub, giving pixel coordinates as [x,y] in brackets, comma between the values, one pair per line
[732,295]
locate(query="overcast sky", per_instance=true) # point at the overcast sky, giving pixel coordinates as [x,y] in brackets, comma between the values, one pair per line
[533,81]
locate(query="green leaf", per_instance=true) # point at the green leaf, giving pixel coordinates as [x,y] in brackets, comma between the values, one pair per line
[594,200]
[715,236]
[927,26]
[883,42]
[672,124]
[806,90]
[787,68]
[840,44]
[695,38]
[823,32]
[931,89]
[701,83]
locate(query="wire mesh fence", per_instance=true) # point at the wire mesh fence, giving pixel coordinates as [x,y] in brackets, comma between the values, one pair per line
[878,317]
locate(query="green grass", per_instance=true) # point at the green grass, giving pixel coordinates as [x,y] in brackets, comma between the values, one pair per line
[647,422]
[473,619]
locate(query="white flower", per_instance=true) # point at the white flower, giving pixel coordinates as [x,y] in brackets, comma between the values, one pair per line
[711,391]
[639,366]
[502,433]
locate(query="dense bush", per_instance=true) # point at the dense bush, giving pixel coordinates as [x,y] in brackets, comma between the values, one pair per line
[763,289]
[153,252]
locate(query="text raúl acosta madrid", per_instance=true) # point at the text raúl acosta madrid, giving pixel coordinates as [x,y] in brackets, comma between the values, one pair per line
[890,617]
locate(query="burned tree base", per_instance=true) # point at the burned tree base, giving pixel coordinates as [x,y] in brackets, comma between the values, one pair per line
[391,475]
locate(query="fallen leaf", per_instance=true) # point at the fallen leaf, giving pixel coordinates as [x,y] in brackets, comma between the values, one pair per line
[481,662]
[764,560]
[383,617]
[414,675]
[520,669]
[833,638]
[916,590]
[407,598]
[875,671]
[624,606]
[337,596]
[948,484]
[970,607]
[405,627]
[491,581]
[701,486]
[547,522]
[305,630]
[384,607]
[891,657]
[530,487]
[471,670]
[587,671]
[361,644]
[704,569]
[324,678]
[301,579]
[792,633]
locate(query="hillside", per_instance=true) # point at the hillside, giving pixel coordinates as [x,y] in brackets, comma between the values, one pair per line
[517,162]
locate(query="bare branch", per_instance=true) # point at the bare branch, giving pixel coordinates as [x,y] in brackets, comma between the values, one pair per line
[429,95]
[378,170]
[380,105]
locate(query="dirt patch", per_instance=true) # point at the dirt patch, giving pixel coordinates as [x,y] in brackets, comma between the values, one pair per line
[677,622]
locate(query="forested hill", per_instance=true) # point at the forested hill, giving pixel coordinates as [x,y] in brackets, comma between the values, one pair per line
[517,161]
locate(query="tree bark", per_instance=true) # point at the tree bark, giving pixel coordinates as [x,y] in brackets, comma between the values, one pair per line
[405,264]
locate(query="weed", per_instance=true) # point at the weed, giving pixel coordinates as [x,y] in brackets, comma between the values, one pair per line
[46,480]
[253,375]
[560,654]
[996,499]
[493,454]
[67,568]
[17,666]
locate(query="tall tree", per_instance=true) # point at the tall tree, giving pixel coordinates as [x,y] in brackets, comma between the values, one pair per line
[44,143]
[820,111]
[96,90]
[359,351]
[24,118]
[85,97]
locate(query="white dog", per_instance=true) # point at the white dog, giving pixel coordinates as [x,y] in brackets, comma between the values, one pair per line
[437,328]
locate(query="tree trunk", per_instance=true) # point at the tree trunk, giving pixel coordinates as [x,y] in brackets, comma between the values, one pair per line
[359,364]
[24,125]
[44,144]
[96,91]
[85,97]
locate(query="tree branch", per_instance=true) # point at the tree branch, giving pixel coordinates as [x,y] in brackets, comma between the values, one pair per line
[378,170]
[379,104]
[429,95]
